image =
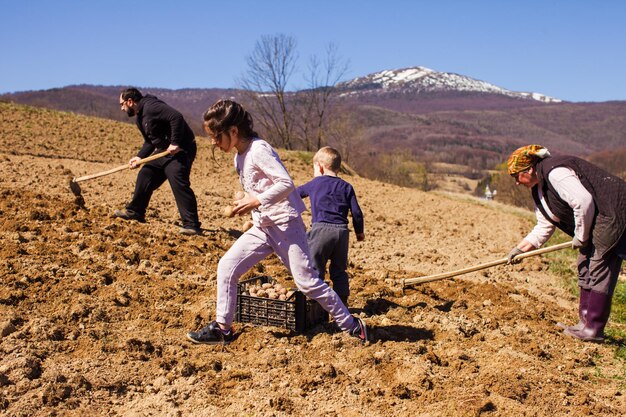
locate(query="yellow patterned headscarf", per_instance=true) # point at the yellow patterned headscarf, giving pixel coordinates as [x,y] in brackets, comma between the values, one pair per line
[525,157]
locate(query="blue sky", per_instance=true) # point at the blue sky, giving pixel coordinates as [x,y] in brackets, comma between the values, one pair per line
[570,49]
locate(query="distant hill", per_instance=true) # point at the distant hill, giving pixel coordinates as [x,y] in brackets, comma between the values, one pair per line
[422,90]
[482,138]
[426,115]
[420,81]
[410,90]
[102,101]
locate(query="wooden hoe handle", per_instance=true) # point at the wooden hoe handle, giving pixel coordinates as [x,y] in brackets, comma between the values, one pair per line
[430,278]
[122,167]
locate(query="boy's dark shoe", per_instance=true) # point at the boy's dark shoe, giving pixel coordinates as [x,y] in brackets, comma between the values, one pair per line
[190,231]
[360,330]
[211,334]
[344,300]
[129,215]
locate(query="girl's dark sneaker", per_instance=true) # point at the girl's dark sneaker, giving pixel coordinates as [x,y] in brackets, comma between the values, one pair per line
[360,330]
[211,334]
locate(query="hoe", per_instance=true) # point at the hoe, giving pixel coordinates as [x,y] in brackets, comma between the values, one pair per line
[421,280]
[74,181]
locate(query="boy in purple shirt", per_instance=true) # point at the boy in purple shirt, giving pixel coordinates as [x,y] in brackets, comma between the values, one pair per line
[331,199]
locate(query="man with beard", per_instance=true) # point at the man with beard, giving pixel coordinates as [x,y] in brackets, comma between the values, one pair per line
[163,128]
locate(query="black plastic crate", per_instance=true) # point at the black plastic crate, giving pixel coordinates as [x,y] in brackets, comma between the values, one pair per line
[297,313]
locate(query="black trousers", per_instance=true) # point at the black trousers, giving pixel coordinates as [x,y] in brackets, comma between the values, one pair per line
[175,169]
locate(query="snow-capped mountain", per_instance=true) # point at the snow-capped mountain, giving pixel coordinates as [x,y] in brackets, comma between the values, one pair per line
[418,80]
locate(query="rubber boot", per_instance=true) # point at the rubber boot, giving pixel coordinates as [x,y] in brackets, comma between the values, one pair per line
[598,311]
[583,302]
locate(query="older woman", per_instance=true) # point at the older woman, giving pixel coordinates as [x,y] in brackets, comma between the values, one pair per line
[588,204]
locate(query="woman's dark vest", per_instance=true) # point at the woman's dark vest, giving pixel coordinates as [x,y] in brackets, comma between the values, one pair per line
[609,196]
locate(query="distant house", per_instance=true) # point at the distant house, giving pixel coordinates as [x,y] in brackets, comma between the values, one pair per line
[489,195]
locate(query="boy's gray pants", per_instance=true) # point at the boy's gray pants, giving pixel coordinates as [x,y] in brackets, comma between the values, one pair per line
[329,242]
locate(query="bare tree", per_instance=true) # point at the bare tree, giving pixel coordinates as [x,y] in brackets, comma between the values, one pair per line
[346,135]
[323,75]
[303,120]
[270,66]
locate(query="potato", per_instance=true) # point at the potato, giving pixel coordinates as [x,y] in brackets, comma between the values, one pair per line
[228,211]
[247,225]
[271,290]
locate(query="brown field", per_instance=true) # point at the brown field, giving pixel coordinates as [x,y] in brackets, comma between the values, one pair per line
[94,311]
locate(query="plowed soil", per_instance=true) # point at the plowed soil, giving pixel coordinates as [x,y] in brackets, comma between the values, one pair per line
[94,310]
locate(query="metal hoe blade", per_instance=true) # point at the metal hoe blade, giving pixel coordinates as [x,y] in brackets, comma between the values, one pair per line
[75,187]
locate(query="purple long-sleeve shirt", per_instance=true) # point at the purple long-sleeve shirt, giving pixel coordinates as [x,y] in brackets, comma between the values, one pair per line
[331,199]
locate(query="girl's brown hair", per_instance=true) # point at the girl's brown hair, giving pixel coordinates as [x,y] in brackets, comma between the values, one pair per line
[227,113]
